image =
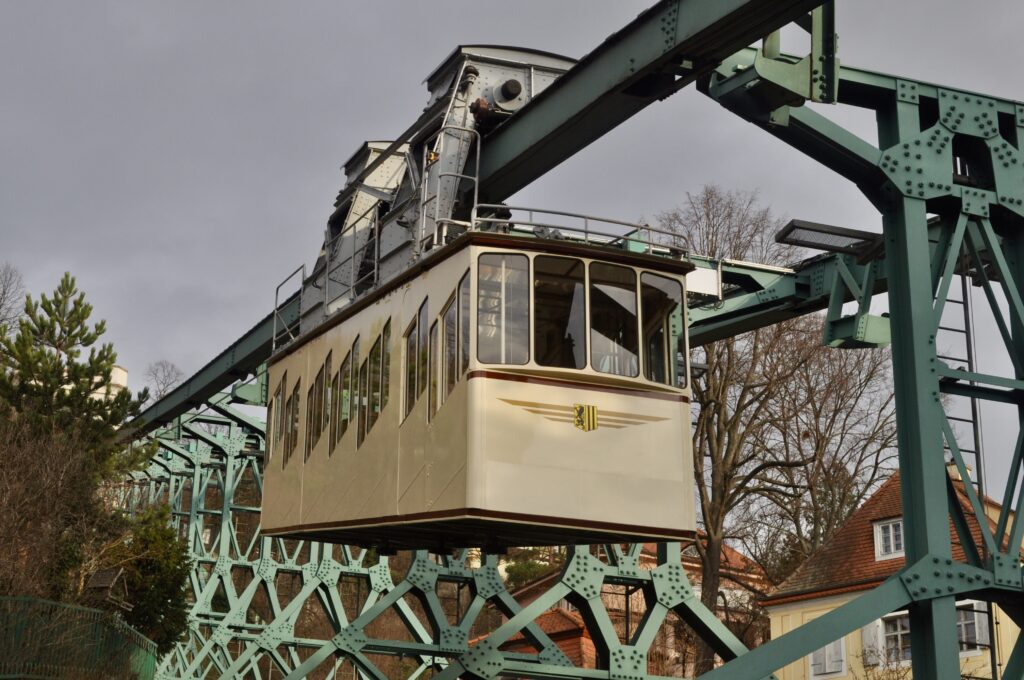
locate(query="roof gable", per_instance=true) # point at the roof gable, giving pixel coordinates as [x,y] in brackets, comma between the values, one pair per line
[847,562]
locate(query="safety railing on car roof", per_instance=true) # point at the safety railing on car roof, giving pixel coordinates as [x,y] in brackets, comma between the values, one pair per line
[278,319]
[336,259]
[562,225]
[437,155]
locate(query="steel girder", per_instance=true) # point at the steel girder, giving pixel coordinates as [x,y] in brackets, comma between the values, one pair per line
[664,49]
[756,296]
[958,156]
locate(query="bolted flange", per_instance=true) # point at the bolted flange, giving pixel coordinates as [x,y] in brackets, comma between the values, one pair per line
[627,663]
[671,585]
[585,575]
[483,661]
[934,577]
[349,640]
[453,641]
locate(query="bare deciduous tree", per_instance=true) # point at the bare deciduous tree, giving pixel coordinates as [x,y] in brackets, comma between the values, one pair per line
[44,489]
[162,376]
[755,398]
[847,431]
[12,296]
[740,378]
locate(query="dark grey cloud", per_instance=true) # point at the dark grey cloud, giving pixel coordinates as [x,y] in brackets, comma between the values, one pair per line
[181,158]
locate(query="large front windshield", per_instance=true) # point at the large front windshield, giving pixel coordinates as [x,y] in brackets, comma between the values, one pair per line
[503,309]
[661,307]
[564,312]
[560,312]
[613,322]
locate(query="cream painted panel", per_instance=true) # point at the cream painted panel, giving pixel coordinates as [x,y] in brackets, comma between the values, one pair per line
[445,474]
[282,497]
[312,470]
[1005,634]
[634,468]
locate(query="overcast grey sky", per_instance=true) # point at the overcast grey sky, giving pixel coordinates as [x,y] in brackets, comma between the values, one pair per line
[180,158]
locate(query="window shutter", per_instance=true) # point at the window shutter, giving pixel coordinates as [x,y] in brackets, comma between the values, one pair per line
[981,621]
[818,662]
[871,649]
[834,657]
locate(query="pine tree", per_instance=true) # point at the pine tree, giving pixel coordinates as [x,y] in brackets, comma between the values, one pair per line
[58,377]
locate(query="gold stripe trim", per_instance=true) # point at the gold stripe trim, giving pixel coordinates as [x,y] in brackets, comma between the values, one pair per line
[537,404]
[602,418]
[547,412]
[636,416]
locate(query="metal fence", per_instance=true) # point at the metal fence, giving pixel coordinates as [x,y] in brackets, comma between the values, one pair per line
[43,639]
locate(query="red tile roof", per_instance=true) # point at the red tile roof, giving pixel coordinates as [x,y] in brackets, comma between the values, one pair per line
[567,630]
[556,623]
[846,563]
[735,567]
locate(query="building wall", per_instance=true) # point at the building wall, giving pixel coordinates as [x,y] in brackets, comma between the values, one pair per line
[786,617]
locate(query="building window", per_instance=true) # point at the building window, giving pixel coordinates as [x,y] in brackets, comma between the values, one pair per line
[661,313]
[967,629]
[432,372]
[972,626]
[889,539]
[464,324]
[416,351]
[272,407]
[449,365]
[896,632]
[328,391]
[344,396]
[373,389]
[315,407]
[291,425]
[353,386]
[282,412]
[361,404]
[888,640]
[560,312]
[385,377]
[334,412]
[613,324]
[275,419]
[503,309]
[829,660]
[310,410]
[421,367]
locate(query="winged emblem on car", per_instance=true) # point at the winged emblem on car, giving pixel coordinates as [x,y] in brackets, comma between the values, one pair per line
[585,417]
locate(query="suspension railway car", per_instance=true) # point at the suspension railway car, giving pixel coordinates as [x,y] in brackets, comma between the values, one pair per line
[466,374]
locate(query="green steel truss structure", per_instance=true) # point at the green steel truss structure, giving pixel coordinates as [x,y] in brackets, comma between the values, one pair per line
[947,176]
[243,624]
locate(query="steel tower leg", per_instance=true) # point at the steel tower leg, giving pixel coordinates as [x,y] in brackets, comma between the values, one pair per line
[919,424]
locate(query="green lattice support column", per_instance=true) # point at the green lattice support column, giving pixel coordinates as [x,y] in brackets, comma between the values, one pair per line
[919,420]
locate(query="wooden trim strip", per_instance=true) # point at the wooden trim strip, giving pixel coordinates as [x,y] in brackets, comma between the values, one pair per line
[590,387]
[479,513]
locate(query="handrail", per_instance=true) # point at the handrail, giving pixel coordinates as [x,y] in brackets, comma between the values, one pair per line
[331,266]
[277,305]
[587,232]
[425,197]
[593,230]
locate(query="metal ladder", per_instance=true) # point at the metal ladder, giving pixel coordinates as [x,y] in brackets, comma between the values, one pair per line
[973,449]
